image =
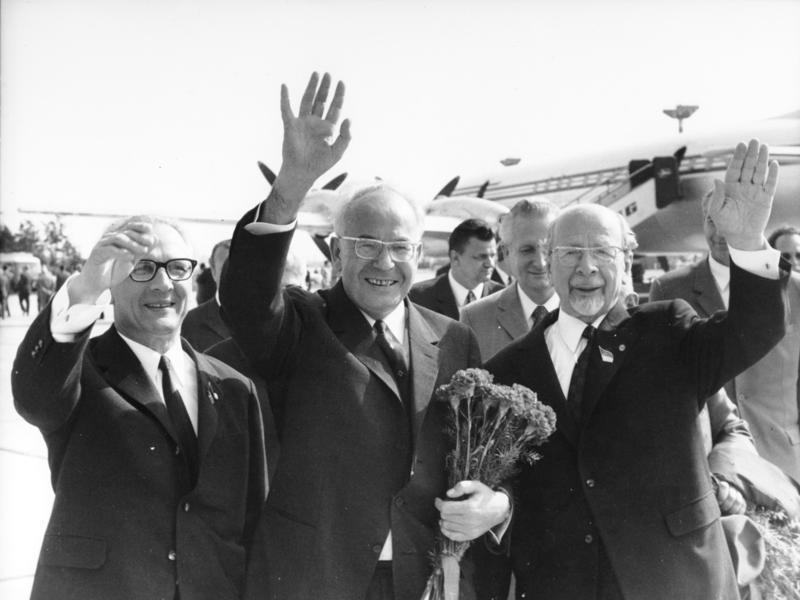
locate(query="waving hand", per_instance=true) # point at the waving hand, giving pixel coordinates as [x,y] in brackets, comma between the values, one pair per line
[309,147]
[740,206]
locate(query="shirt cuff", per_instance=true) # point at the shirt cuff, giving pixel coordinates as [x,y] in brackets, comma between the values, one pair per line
[497,532]
[758,262]
[66,321]
[261,228]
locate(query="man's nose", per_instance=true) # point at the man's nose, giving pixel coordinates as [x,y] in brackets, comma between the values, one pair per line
[161,280]
[384,259]
[587,263]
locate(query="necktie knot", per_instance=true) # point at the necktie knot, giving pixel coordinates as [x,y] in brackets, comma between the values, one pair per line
[539,313]
[470,297]
[588,333]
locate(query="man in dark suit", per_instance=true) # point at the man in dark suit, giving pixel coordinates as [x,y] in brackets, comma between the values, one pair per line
[203,326]
[510,313]
[621,503]
[156,452]
[352,510]
[472,250]
[766,393]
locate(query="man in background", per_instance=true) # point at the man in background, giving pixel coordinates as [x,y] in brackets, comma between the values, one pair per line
[203,326]
[472,249]
[508,314]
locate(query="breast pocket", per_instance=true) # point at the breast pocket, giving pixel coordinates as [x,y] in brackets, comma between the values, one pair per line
[73,551]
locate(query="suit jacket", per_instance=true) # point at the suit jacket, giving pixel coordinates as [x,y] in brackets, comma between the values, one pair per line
[354,461]
[127,522]
[628,488]
[229,352]
[437,295]
[496,320]
[203,326]
[766,393]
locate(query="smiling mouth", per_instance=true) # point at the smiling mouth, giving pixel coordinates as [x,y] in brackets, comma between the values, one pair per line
[380,282]
[159,305]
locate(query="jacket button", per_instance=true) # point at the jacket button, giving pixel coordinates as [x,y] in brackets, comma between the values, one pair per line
[377,548]
[172,555]
[186,507]
[399,502]
[590,483]
[589,538]
[177,450]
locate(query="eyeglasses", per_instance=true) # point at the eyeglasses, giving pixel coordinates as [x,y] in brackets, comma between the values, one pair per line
[569,256]
[370,249]
[791,256]
[177,269]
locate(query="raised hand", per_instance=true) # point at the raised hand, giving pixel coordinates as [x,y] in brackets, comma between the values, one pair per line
[740,206]
[111,261]
[309,147]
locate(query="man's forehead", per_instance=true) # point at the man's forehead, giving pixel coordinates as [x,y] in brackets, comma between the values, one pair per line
[591,225]
[170,242]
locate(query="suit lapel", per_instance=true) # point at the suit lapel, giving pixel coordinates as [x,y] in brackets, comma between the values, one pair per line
[509,313]
[354,332]
[123,372]
[424,362]
[445,300]
[539,374]
[706,291]
[208,393]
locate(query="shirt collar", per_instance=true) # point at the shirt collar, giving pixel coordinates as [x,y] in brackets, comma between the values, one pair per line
[150,358]
[460,292]
[721,273]
[570,329]
[528,305]
[395,321]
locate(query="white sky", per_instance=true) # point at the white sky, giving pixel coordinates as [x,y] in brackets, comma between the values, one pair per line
[165,106]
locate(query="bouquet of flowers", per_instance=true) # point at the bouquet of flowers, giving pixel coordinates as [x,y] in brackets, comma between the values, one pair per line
[780,579]
[493,429]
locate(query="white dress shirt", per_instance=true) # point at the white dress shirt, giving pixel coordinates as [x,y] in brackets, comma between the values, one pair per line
[460,292]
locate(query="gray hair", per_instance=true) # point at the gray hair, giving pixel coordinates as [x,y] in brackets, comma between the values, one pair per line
[538,208]
[123,222]
[343,216]
[628,237]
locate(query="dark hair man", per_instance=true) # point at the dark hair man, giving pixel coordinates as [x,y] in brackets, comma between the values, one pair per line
[472,250]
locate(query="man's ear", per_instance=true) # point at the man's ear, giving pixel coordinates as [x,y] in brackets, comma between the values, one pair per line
[453,256]
[336,252]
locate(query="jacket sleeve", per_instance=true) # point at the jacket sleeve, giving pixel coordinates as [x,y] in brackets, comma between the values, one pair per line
[720,347]
[46,376]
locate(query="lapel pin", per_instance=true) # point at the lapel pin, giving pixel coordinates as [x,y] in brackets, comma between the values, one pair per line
[622,347]
[606,355]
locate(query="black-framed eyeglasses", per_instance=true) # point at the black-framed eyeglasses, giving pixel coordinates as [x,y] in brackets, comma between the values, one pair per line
[370,249]
[570,256]
[177,269]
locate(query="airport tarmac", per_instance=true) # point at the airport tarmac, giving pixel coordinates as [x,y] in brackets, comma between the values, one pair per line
[26,496]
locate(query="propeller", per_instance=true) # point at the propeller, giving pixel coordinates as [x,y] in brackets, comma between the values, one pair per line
[447,190]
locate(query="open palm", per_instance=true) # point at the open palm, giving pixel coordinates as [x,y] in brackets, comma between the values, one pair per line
[307,148]
[740,206]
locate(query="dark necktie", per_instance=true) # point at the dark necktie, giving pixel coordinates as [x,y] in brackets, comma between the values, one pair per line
[393,352]
[578,379]
[470,298]
[187,440]
[539,313]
